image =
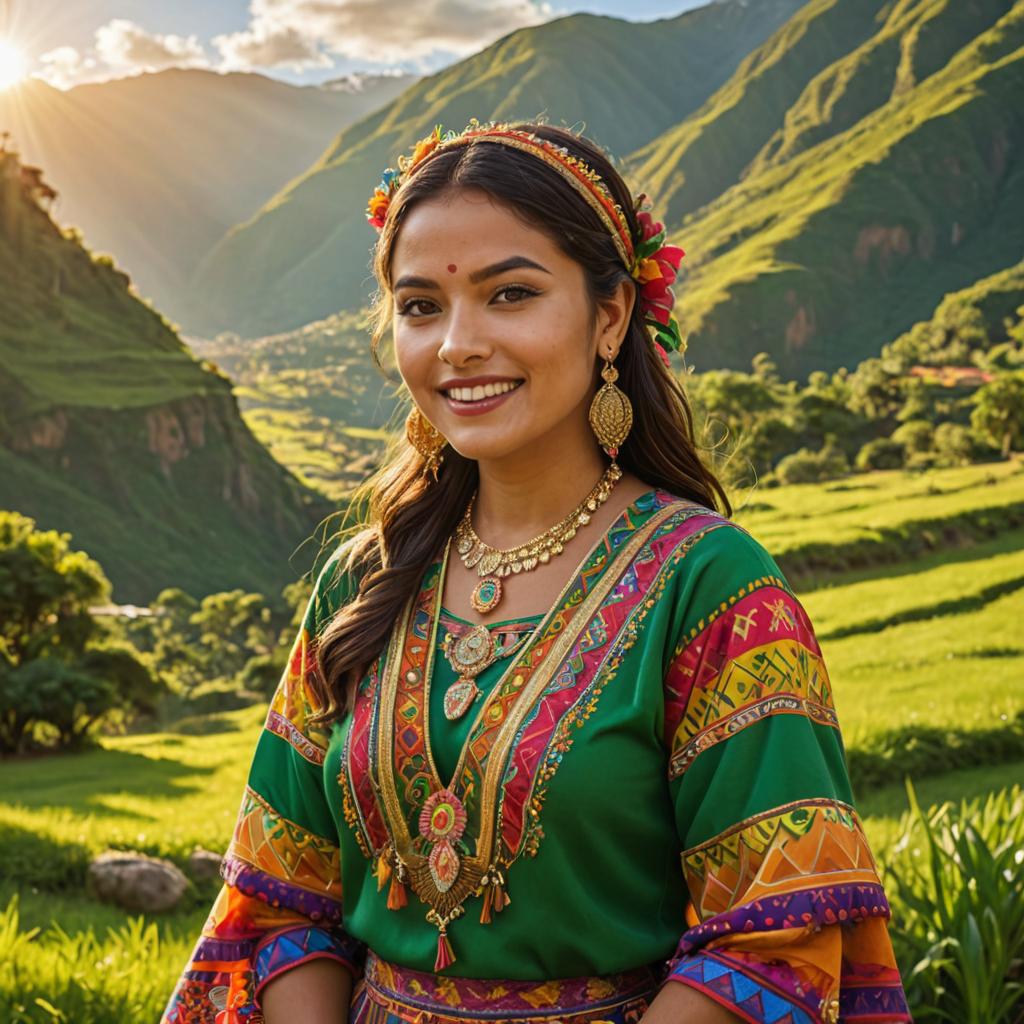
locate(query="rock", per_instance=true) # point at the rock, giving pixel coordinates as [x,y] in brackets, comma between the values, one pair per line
[136,882]
[204,864]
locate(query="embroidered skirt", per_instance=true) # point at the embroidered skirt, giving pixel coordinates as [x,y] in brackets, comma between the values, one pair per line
[390,994]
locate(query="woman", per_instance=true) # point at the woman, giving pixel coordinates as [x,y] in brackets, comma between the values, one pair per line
[556,741]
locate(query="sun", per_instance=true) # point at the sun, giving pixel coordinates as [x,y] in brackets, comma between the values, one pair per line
[13,64]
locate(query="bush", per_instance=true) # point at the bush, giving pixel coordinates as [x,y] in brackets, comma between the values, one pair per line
[881,453]
[915,436]
[953,444]
[807,467]
[921,750]
[956,879]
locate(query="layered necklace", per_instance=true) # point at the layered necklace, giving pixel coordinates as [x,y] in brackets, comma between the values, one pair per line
[471,652]
[494,564]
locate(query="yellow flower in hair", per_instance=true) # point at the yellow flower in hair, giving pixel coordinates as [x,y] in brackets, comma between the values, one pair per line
[425,146]
[647,270]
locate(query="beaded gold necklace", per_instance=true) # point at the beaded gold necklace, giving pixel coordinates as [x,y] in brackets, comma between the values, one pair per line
[494,564]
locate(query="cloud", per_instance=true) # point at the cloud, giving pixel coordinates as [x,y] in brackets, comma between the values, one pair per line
[65,67]
[123,44]
[265,45]
[404,31]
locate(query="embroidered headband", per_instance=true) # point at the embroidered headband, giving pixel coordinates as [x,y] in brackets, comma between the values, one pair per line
[649,261]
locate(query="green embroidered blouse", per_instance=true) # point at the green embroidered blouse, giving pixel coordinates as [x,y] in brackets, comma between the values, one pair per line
[677,792]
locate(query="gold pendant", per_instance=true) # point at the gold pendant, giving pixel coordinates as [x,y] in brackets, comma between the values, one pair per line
[486,595]
[459,697]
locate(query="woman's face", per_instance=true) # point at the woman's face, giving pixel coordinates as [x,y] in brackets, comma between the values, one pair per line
[492,327]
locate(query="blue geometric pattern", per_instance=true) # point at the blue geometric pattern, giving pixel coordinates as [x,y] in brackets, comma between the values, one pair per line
[288,949]
[752,1001]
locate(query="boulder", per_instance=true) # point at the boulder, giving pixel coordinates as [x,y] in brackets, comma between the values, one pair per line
[137,882]
[203,864]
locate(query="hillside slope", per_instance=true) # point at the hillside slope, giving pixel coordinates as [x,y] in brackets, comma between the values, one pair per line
[155,168]
[111,430]
[823,258]
[305,254]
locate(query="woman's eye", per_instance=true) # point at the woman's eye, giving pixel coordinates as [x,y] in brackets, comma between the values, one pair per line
[515,292]
[407,307]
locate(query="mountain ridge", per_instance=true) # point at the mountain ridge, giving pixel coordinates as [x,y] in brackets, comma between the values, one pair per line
[112,431]
[155,185]
[279,269]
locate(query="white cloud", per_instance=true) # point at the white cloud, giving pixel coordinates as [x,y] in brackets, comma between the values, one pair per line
[266,45]
[123,44]
[65,67]
[366,30]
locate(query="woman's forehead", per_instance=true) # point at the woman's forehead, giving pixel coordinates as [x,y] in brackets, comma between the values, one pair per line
[465,228]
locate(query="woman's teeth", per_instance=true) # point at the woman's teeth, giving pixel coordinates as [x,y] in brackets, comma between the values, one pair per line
[482,391]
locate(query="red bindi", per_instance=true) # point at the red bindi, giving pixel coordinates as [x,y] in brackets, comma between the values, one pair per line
[452,268]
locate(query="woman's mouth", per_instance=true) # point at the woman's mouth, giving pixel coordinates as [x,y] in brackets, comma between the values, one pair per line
[472,401]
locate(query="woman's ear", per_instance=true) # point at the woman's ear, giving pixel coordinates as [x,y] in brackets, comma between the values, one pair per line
[613,315]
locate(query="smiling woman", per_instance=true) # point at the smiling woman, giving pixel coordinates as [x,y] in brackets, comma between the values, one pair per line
[626,800]
[13,64]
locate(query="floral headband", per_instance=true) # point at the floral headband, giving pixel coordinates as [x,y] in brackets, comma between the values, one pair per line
[649,261]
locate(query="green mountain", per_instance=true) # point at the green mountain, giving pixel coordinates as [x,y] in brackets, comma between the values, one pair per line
[304,255]
[822,257]
[156,167]
[832,167]
[110,428]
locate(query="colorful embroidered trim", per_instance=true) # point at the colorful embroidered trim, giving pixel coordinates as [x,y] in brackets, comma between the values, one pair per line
[796,846]
[284,850]
[754,657]
[422,996]
[748,997]
[281,951]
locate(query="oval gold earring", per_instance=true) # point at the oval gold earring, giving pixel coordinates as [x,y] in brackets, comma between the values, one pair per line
[426,439]
[611,413]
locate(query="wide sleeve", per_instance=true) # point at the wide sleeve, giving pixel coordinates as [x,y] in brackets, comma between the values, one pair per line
[280,904]
[787,919]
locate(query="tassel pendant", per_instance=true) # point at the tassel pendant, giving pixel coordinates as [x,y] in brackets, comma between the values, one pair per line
[383,868]
[397,897]
[496,899]
[445,954]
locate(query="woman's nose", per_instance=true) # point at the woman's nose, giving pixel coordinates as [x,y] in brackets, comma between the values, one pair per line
[464,337]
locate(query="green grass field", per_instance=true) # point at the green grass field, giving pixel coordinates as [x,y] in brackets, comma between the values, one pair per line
[934,640]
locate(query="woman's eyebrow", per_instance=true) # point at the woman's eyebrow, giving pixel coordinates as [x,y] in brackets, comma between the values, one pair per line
[512,263]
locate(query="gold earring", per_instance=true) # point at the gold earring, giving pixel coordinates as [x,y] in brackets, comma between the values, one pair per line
[611,412]
[426,439]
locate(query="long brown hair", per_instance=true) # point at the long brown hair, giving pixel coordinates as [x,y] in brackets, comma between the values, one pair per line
[409,514]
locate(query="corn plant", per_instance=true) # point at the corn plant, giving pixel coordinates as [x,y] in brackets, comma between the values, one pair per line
[956,876]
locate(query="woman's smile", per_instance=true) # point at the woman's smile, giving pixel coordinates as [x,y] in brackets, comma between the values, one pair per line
[478,395]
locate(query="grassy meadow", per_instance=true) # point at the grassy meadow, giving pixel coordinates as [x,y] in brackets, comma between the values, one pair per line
[930,641]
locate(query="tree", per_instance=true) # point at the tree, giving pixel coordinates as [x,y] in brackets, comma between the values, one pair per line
[233,626]
[998,412]
[57,674]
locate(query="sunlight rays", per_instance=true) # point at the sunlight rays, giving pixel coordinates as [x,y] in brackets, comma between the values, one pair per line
[13,64]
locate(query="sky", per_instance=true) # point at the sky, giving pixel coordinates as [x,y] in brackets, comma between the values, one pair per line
[305,41]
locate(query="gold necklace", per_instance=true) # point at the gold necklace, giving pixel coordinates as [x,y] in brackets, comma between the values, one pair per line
[469,653]
[493,564]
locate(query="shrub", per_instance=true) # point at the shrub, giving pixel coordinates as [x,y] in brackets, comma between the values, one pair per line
[881,453]
[956,878]
[915,436]
[953,444]
[806,466]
